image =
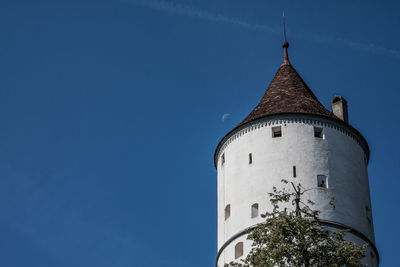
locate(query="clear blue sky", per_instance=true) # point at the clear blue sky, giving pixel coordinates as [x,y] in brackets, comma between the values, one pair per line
[110,112]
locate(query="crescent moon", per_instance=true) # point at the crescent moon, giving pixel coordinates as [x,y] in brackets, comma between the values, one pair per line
[225,116]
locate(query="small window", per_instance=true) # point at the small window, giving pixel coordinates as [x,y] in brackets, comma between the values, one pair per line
[322,181]
[227,211]
[317,132]
[294,171]
[254,210]
[223,159]
[368,212]
[276,131]
[250,158]
[238,250]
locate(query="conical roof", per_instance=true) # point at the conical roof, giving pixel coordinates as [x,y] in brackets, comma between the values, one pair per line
[288,93]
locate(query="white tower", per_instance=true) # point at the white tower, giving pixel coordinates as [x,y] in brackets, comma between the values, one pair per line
[291,135]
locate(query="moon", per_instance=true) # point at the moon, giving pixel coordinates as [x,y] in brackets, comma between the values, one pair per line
[225,116]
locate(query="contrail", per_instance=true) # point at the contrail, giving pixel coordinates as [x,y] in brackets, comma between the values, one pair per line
[190,11]
[201,14]
[325,39]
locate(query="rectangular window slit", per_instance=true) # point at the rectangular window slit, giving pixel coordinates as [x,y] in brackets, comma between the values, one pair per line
[227,211]
[250,158]
[238,250]
[254,210]
[317,132]
[294,171]
[369,214]
[276,131]
[322,181]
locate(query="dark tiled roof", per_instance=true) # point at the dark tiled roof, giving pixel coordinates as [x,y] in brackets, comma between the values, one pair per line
[288,93]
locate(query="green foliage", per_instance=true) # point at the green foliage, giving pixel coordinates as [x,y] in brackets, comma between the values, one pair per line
[296,237]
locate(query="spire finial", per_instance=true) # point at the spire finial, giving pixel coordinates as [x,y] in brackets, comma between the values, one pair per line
[285,44]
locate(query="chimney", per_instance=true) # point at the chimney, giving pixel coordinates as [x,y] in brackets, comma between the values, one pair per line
[339,108]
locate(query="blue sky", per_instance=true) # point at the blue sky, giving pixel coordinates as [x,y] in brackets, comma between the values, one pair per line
[110,112]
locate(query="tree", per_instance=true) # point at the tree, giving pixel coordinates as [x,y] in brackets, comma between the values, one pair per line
[296,238]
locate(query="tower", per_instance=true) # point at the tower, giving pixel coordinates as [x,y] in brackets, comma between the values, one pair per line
[291,135]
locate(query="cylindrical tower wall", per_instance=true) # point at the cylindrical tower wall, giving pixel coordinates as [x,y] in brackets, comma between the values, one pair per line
[338,156]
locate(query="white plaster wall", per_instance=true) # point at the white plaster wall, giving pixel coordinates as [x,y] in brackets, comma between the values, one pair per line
[337,155]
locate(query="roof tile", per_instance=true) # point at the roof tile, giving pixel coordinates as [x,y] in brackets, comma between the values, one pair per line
[287,93]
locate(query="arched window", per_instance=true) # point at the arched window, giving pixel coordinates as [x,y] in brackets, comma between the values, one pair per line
[239,250]
[254,210]
[227,211]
